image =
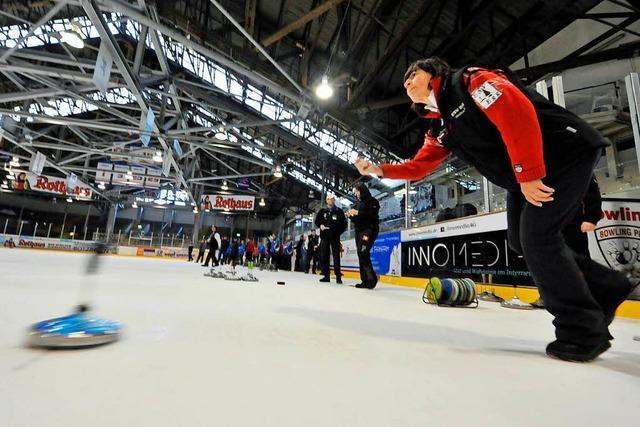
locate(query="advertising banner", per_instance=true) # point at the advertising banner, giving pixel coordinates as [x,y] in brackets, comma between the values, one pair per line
[385,254]
[104,172]
[470,247]
[120,174]
[228,202]
[138,176]
[53,185]
[616,239]
[48,243]
[152,181]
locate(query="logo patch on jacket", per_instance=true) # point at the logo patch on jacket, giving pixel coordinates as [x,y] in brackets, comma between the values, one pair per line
[486,95]
[458,111]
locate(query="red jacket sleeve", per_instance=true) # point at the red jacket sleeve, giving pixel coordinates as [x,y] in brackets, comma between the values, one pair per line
[425,161]
[515,117]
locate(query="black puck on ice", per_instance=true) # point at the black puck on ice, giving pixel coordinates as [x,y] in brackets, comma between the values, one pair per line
[280,283]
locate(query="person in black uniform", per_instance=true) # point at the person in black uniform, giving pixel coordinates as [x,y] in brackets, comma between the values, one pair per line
[235,252]
[201,250]
[364,215]
[312,252]
[190,252]
[224,245]
[544,156]
[214,245]
[332,224]
[300,254]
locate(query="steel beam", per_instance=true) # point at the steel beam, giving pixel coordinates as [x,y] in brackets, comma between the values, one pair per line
[223,177]
[133,85]
[292,26]
[141,18]
[45,18]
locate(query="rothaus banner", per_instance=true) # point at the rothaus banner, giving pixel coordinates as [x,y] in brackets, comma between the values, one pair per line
[227,202]
[50,184]
[469,247]
[385,254]
[616,239]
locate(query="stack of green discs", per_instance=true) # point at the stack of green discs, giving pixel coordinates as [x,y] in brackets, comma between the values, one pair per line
[450,291]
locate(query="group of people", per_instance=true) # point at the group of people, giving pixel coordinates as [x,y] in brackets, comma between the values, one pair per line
[311,253]
[222,250]
[332,222]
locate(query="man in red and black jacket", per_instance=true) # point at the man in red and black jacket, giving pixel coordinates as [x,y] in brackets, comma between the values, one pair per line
[544,156]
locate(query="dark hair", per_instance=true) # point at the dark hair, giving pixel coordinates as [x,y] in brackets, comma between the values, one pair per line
[363,190]
[434,66]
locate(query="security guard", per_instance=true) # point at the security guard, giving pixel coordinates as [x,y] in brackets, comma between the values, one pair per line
[364,215]
[544,156]
[332,224]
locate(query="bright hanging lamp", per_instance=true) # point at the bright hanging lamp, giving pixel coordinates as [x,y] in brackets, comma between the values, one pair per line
[324,89]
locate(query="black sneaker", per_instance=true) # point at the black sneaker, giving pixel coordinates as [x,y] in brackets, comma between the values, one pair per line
[576,353]
[324,280]
[339,281]
[361,286]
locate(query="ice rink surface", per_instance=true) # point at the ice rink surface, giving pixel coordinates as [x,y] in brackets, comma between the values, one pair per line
[198,351]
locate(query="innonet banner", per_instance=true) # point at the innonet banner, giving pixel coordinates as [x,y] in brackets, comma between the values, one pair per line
[471,247]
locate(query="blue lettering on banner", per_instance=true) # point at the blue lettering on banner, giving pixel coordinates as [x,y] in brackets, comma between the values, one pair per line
[384,253]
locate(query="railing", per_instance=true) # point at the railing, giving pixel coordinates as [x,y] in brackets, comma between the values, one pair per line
[161,240]
[53,230]
[611,96]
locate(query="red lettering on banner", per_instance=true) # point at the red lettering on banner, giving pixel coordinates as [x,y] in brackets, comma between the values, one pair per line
[232,204]
[41,183]
[624,214]
[59,186]
[30,244]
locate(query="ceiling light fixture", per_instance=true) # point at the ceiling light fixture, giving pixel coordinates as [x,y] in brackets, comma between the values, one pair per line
[324,89]
[278,172]
[134,205]
[221,134]
[157,157]
[73,37]
[101,186]
[225,187]
[262,203]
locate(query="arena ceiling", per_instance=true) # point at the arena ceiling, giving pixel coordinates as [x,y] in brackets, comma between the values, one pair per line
[232,82]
